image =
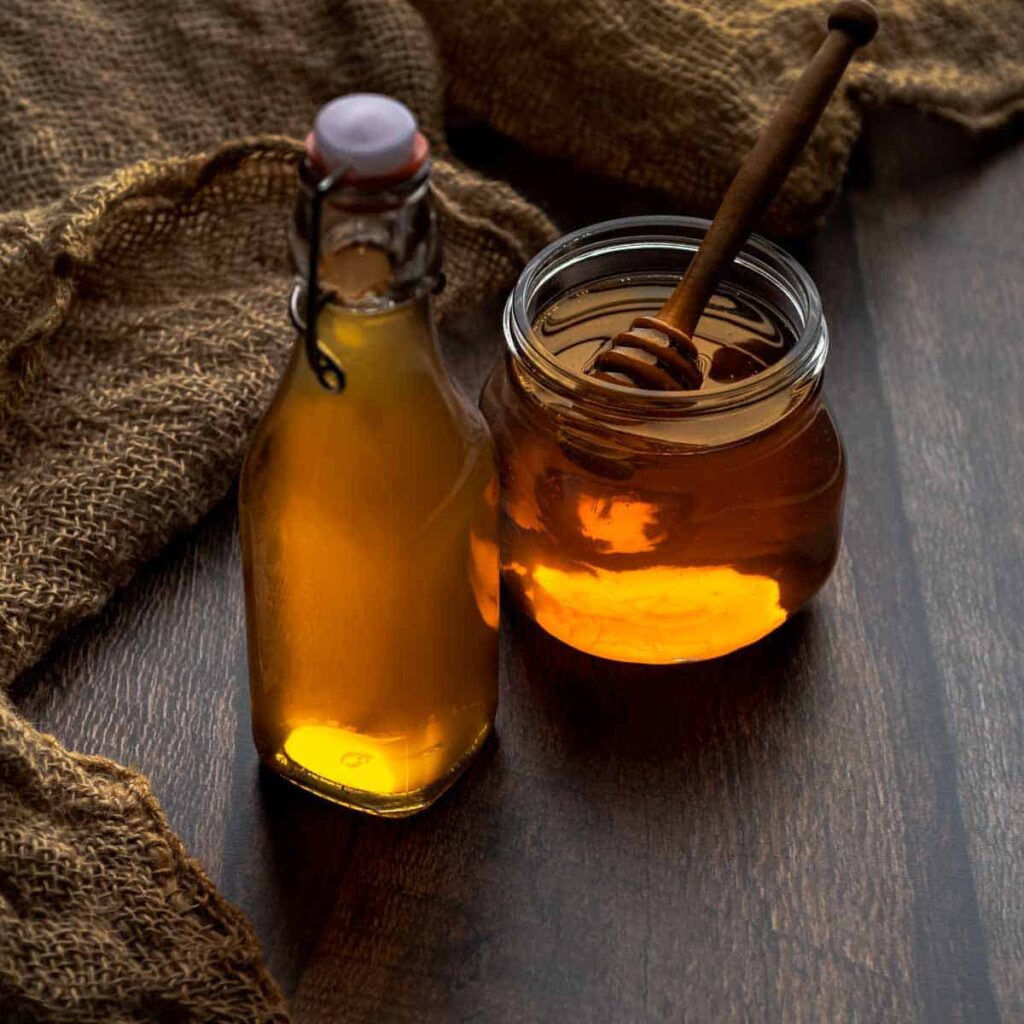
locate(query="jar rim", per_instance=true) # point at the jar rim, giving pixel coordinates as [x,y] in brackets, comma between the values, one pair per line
[803,362]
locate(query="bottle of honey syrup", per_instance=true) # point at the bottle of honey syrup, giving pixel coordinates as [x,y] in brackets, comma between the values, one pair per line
[368,497]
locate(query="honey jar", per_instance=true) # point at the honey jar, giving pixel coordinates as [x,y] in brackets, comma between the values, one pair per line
[663,526]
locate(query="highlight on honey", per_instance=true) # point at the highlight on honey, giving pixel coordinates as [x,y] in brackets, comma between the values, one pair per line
[658,615]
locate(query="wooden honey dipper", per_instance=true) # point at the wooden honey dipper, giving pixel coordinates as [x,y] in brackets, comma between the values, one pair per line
[668,337]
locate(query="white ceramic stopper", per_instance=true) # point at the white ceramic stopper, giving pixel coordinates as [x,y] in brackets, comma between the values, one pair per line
[364,133]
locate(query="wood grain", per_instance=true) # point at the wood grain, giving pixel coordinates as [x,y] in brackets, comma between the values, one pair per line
[948,316]
[825,827]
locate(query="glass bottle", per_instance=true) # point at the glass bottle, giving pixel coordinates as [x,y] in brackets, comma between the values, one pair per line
[368,501]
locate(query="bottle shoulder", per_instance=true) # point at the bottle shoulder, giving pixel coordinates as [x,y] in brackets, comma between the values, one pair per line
[401,431]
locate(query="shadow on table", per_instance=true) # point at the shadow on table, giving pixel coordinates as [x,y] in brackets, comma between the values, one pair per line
[576,736]
[345,895]
[592,706]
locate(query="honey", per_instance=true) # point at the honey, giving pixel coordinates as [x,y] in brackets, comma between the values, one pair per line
[369,525]
[663,528]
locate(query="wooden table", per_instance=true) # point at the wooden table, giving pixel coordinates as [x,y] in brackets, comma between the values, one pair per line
[825,827]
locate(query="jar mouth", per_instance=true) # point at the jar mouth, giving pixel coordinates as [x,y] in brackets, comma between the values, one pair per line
[629,240]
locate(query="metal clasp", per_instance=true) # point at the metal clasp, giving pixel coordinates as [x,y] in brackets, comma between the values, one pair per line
[328,370]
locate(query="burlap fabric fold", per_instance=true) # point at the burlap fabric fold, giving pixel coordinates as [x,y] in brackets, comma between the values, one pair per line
[671,93]
[146,171]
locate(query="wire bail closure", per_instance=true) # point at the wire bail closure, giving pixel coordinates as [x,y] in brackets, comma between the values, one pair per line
[328,370]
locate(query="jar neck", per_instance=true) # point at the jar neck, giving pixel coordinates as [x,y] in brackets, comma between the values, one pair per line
[637,245]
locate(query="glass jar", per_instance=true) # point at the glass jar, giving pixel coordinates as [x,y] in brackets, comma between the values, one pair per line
[666,526]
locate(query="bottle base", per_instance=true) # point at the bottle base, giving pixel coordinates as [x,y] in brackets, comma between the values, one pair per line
[382,805]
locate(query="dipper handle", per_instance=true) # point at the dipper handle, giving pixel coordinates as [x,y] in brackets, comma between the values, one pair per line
[851,24]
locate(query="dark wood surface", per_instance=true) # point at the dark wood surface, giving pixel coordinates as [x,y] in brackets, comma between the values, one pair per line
[825,827]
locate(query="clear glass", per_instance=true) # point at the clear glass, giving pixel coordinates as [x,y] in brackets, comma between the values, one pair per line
[369,538]
[663,527]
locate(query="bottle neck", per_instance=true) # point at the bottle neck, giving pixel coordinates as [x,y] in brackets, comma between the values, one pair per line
[379,246]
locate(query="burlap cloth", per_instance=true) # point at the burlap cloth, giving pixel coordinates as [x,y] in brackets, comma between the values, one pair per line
[146,172]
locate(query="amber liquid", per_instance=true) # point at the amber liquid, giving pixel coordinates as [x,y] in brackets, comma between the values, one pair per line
[691,543]
[369,541]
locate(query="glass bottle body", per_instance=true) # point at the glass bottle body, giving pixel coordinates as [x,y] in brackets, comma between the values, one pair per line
[368,524]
